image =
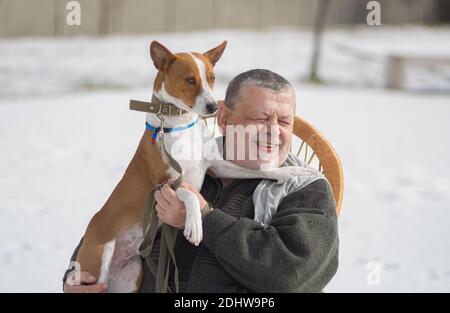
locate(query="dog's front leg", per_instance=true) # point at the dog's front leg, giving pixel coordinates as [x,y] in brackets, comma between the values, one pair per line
[228,169]
[193,225]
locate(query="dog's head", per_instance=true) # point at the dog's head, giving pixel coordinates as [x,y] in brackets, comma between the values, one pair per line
[186,79]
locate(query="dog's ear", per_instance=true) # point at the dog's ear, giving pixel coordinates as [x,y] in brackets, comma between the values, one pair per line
[215,53]
[161,56]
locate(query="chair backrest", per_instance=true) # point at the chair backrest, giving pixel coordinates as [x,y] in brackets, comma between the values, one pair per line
[314,145]
[315,149]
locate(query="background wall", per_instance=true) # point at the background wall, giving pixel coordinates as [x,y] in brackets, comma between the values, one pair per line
[98,17]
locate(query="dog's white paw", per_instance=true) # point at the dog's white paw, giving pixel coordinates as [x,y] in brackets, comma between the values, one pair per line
[193,230]
[193,226]
[299,171]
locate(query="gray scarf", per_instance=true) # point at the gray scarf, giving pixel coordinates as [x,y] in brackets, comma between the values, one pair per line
[269,193]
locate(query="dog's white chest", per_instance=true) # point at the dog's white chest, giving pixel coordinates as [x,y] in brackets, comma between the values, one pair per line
[187,148]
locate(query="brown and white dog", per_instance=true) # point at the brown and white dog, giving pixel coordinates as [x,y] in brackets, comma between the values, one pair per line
[109,249]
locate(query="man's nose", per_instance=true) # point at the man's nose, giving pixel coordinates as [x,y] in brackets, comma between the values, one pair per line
[211,107]
[273,130]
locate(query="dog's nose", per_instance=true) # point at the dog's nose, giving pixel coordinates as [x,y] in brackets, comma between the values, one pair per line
[211,107]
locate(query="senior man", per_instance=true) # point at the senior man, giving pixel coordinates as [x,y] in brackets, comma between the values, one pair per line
[258,235]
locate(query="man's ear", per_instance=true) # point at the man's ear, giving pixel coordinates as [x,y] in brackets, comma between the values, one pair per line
[223,114]
[215,53]
[161,56]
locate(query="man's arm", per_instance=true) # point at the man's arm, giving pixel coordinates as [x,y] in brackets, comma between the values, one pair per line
[298,252]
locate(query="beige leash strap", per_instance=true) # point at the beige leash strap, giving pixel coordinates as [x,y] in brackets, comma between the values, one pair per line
[161,270]
[156,106]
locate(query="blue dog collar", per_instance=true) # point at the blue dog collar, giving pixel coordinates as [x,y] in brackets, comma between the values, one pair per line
[156,130]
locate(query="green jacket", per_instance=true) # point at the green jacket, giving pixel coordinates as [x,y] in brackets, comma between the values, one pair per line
[297,252]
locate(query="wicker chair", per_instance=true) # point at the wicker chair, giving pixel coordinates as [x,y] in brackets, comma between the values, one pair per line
[316,150]
[314,146]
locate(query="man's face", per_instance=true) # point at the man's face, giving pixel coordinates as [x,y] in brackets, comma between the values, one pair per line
[267,118]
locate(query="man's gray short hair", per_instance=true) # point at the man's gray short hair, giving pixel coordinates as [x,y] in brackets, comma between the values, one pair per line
[257,77]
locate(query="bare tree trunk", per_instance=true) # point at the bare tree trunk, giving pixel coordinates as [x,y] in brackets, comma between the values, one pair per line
[319,24]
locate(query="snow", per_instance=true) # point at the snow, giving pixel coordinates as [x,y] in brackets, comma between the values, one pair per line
[66,137]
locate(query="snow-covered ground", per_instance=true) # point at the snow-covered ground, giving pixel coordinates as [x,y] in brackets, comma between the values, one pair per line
[66,136]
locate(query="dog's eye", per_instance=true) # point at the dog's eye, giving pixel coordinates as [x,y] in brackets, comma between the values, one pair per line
[212,78]
[190,80]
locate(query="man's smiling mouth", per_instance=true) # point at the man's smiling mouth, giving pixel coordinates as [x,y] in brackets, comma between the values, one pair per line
[268,147]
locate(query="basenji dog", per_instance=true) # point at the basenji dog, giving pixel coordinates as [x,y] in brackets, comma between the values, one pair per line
[184,81]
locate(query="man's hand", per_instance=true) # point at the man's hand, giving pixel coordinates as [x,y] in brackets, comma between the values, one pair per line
[169,208]
[87,284]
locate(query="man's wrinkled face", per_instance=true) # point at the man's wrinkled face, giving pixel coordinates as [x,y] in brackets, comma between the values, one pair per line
[260,123]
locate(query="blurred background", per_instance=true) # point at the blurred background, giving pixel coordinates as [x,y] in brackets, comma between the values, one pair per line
[372,76]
